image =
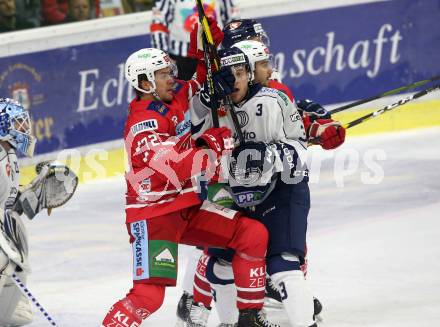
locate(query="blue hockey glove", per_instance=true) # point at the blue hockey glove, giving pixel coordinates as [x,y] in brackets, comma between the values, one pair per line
[312,109]
[224,81]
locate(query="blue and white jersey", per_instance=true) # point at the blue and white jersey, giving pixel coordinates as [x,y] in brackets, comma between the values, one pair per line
[266,115]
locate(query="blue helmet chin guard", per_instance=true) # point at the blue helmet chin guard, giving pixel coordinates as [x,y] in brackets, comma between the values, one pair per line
[243,29]
[15,127]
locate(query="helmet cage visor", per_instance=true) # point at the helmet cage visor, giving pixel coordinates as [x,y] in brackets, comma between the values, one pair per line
[16,128]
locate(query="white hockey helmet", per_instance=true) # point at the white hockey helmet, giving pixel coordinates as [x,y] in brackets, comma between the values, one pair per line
[255,51]
[146,62]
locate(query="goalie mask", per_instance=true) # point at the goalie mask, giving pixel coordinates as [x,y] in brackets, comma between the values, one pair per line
[243,29]
[15,127]
[142,65]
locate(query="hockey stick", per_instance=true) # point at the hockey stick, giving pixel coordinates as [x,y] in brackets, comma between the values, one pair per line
[384,94]
[391,106]
[208,44]
[29,295]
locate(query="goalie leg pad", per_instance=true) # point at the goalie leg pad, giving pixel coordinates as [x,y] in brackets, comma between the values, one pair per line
[15,308]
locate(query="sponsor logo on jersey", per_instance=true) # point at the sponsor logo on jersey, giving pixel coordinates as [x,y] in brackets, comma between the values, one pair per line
[269,90]
[243,118]
[247,197]
[247,135]
[144,187]
[165,258]
[159,107]
[295,117]
[184,126]
[257,272]
[284,97]
[143,126]
[233,60]
[140,250]
[143,313]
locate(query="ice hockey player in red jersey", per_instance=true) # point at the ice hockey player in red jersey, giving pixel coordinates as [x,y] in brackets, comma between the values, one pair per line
[165,203]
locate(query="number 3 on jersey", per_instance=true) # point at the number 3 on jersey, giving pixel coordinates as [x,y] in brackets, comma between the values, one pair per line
[259,110]
[283,291]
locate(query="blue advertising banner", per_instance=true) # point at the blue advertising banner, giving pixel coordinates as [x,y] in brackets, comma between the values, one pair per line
[78,95]
[346,53]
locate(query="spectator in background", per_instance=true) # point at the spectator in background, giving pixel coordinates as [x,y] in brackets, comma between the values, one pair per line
[29,11]
[173,21]
[116,7]
[143,5]
[9,20]
[55,11]
[79,10]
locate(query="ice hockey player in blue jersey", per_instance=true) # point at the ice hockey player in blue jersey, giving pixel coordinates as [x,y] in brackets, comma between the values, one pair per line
[271,186]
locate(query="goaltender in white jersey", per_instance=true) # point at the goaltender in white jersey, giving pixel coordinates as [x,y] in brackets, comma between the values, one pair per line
[53,186]
[15,135]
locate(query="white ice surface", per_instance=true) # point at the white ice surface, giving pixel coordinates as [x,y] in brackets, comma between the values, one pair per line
[374,249]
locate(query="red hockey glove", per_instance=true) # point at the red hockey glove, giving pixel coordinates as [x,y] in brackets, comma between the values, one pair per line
[217,139]
[326,132]
[195,45]
[216,31]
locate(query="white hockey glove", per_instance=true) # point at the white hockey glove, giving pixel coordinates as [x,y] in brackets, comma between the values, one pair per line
[53,187]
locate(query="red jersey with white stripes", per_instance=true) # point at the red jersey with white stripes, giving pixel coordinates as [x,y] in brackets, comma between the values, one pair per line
[158,143]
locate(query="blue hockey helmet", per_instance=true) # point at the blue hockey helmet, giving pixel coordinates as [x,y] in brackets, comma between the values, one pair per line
[243,29]
[15,126]
[235,58]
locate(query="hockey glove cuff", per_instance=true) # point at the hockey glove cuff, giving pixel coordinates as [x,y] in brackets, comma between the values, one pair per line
[216,139]
[326,132]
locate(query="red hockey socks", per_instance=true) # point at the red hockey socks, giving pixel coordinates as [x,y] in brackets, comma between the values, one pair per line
[202,288]
[140,302]
[250,279]
[122,313]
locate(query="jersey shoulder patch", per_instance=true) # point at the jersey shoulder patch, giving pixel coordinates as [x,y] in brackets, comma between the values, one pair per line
[159,107]
[268,91]
[284,98]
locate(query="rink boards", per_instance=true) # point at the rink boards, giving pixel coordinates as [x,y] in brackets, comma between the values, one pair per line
[71,76]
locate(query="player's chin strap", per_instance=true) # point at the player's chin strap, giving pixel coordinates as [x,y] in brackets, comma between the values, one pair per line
[54,185]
